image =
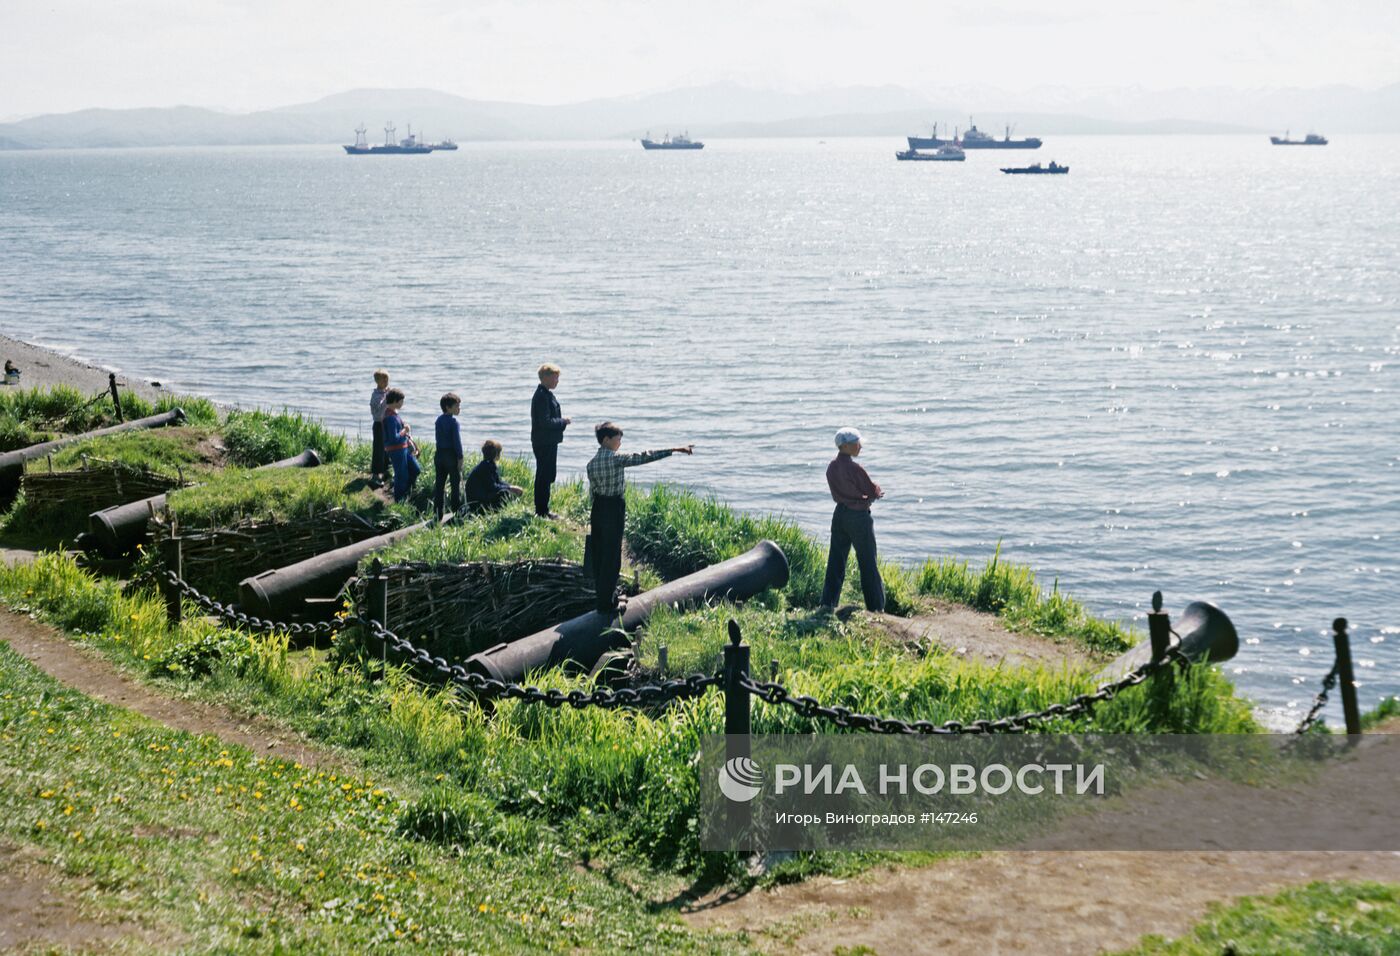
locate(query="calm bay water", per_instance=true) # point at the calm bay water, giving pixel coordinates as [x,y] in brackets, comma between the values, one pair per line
[1174,368]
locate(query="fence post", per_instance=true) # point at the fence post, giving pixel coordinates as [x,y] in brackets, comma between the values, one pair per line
[174,554]
[116,399]
[377,599]
[661,659]
[739,816]
[1346,679]
[1159,628]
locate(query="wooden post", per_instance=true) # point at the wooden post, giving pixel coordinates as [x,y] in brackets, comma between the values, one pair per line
[1159,628]
[661,659]
[174,562]
[773,671]
[116,399]
[1346,679]
[377,597]
[737,726]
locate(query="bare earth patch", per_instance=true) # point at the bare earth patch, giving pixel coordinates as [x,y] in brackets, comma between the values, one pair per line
[39,910]
[980,636]
[86,671]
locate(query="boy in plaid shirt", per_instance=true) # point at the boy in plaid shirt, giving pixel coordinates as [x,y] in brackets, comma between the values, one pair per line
[607,484]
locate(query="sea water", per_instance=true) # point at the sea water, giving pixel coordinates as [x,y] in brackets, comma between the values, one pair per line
[1174,368]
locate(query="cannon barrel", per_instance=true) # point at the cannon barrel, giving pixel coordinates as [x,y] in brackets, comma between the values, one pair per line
[583,639]
[12,462]
[117,531]
[1206,636]
[285,591]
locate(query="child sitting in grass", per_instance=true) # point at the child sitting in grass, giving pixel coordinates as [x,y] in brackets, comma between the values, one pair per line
[399,445]
[485,488]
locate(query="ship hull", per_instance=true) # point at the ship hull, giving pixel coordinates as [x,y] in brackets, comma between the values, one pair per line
[1295,142]
[648,144]
[918,157]
[1062,170]
[933,142]
[387,150]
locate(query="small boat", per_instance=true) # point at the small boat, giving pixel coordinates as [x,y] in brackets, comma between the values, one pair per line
[1035,169]
[1312,139]
[446,144]
[404,147]
[679,142]
[945,154]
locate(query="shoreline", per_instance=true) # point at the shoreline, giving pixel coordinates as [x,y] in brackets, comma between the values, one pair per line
[43,367]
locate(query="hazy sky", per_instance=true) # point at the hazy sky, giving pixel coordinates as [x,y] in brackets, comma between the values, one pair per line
[58,55]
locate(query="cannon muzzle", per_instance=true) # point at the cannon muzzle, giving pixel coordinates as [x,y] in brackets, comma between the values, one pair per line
[1206,636]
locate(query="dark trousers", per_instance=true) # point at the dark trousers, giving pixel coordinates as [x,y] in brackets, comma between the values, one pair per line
[608,517]
[379,458]
[546,461]
[850,527]
[448,469]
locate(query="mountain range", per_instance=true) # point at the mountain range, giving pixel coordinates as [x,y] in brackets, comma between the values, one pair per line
[724,110]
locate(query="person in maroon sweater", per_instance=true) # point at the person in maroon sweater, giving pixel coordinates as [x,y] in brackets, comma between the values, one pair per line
[852,524]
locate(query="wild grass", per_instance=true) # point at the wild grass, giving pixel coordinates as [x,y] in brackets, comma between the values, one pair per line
[275,494]
[1011,591]
[260,437]
[205,844]
[1339,919]
[164,450]
[32,415]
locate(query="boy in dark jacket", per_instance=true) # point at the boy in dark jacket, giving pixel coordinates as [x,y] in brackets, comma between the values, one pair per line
[485,488]
[447,459]
[547,426]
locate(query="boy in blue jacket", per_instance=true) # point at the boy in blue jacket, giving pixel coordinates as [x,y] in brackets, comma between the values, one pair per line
[447,460]
[398,443]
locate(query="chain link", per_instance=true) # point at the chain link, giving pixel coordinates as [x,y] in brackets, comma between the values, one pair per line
[1319,702]
[249,621]
[1083,704]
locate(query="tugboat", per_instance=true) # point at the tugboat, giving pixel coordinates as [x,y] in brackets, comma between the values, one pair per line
[679,142]
[1312,139]
[1035,169]
[409,146]
[446,144]
[974,138]
[945,154]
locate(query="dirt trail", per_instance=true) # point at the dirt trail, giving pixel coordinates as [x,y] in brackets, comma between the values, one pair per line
[979,636]
[40,909]
[86,671]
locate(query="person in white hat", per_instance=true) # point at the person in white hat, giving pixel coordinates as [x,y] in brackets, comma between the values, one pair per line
[852,524]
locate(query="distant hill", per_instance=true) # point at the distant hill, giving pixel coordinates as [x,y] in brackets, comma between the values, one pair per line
[719,110]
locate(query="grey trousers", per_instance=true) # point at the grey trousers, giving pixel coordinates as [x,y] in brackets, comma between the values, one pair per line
[853,528]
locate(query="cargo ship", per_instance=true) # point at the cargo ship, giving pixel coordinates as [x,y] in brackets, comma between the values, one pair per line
[974,138]
[1312,139]
[404,147]
[1035,169]
[669,142]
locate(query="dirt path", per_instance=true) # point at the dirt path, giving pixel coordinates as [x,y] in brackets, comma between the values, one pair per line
[978,635]
[40,909]
[1049,900]
[86,671]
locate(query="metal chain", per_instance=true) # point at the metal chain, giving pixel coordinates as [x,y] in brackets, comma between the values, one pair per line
[249,621]
[489,687]
[843,717]
[1319,702]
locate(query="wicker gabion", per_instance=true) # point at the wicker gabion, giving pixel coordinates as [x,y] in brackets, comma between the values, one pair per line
[455,610]
[98,484]
[216,559]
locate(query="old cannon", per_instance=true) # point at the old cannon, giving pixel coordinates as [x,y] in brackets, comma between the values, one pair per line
[116,531]
[293,590]
[1206,635]
[12,462]
[585,638]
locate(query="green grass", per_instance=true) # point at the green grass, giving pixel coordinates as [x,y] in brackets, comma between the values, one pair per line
[205,844]
[260,437]
[1011,591]
[32,415]
[276,494]
[1338,919]
[619,783]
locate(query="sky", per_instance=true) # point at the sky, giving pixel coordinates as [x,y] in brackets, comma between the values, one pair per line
[62,55]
